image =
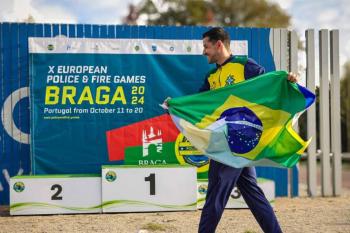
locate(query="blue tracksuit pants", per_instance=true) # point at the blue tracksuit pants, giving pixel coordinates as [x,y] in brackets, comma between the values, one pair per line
[222,179]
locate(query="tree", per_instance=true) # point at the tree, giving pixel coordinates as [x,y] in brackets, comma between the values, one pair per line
[30,19]
[132,16]
[345,107]
[248,13]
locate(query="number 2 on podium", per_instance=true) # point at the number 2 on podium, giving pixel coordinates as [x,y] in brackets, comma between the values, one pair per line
[56,196]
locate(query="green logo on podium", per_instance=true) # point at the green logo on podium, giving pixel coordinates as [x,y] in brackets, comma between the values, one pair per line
[111,176]
[202,189]
[50,47]
[18,187]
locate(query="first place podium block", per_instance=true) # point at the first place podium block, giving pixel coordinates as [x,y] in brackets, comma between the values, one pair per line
[151,188]
[55,194]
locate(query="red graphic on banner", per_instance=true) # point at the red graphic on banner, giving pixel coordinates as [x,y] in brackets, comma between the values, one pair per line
[156,130]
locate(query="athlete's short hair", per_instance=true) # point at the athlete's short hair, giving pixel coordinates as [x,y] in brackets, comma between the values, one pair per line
[218,33]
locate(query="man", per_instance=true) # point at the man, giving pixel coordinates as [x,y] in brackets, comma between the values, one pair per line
[222,178]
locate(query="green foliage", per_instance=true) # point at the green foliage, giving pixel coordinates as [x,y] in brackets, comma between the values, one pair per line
[30,19]
[248,13]
[345,107]
[344,91]
[154,227]
[344,112]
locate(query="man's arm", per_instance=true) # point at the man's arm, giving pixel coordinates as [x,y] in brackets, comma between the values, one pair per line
[205,86]
[252,69]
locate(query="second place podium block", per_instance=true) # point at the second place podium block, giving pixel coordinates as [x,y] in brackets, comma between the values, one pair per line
[55,194]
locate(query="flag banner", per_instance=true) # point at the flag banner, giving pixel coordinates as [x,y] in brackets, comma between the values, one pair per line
[246,124]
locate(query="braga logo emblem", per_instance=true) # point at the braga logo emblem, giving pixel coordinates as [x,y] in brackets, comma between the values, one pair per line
[186,153]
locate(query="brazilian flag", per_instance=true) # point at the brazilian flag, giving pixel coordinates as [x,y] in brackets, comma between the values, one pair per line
[246,124]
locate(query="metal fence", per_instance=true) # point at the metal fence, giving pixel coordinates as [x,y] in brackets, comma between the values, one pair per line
[329,112]
[285,53]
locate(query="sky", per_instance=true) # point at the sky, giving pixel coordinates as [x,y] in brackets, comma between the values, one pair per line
[320,14]
[316,14]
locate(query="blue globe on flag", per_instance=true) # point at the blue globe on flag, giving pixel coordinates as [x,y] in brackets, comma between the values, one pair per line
[244,129]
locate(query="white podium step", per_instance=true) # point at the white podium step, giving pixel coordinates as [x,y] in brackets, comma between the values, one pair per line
[118,189]
[151,188]
[236,200]
[55,194]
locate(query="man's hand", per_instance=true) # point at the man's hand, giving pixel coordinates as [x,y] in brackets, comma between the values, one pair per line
[292,77]
[165,105]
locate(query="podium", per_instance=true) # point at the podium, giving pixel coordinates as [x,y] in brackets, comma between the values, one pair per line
[236,200]
[119,188]
[55,194]
[151,188]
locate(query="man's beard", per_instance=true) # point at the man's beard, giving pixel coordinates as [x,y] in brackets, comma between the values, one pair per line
[212,60]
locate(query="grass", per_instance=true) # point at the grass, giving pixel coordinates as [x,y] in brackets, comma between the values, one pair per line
[153,227]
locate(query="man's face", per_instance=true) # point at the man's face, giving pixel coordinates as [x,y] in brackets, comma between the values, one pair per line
[210,49]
